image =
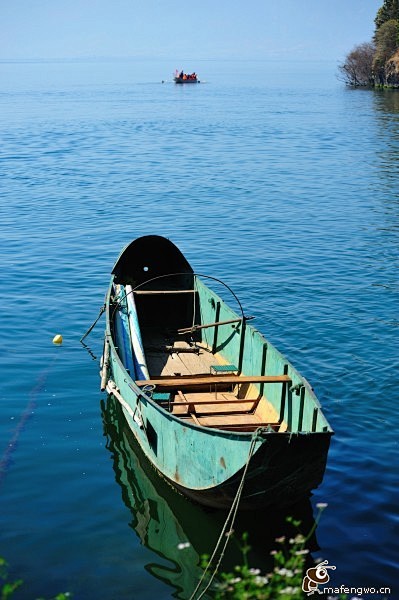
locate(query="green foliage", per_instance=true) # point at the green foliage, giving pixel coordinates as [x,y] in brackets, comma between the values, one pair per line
[387,38]
[389,10]
[285,580]
[386,43]
[8,588]
[63,596]
[366,64]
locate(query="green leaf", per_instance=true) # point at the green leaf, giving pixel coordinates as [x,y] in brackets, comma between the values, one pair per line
[9,589]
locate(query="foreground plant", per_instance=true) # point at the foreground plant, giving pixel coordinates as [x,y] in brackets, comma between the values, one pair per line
[9,587]
[284,582]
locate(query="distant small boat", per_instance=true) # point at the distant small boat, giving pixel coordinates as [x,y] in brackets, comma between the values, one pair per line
[208,398]
[182,80]
[181,77]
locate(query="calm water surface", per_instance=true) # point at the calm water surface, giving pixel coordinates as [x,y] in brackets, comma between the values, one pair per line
[272,177]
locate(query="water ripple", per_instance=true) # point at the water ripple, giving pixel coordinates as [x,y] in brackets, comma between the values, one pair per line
[288,192]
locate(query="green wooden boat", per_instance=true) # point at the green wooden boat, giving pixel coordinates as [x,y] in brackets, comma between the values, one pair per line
[217,410]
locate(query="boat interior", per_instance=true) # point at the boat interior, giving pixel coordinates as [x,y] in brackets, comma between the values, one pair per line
[189,378]
[199,386]
[205,364]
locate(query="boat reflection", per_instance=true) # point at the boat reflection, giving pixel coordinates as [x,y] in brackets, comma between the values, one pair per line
[176,529]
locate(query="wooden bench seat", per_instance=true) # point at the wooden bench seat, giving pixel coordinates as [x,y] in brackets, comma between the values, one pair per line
[248,422]
[183,381]
[247,426]
[211,407]
[214,401]
[229,413]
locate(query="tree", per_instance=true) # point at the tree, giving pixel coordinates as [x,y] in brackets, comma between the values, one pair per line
[357,69]
[389,10]
[386,40]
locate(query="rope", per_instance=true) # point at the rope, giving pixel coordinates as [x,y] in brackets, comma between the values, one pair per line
[232,515]
[102,309]
[136,415]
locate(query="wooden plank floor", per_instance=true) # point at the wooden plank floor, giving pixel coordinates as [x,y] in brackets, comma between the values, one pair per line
[212,413]
[232,405]
[236,419]
[169,363]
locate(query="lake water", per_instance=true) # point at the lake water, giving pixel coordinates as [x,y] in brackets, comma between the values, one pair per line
[272,177]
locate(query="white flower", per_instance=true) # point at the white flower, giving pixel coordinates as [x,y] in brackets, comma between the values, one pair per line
[298,539]
[285,572]
[183,545]
[321,505]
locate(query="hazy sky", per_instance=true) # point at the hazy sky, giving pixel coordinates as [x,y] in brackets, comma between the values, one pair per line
[170,29]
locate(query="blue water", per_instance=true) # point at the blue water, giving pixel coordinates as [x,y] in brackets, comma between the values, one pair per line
[270,176]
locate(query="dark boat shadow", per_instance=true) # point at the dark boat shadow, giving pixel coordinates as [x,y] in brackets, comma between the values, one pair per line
[179,531]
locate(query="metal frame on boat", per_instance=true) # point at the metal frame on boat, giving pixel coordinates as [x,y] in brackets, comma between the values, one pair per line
[208,398]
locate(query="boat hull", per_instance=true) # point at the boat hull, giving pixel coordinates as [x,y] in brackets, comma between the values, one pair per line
[184,81]
[284,468]
[282,472]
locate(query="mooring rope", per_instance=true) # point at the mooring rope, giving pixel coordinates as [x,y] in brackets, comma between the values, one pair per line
[102,310]
[232,515]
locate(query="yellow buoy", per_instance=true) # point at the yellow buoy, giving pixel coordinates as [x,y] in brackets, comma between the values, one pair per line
[57,339]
